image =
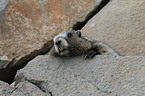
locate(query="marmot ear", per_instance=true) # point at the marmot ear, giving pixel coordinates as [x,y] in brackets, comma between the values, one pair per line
[79,33]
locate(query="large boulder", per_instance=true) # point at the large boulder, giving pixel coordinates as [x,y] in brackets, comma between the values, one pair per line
[121,24]
[25,25]
[76,76]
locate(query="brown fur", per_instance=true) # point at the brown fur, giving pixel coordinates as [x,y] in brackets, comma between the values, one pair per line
[81,45]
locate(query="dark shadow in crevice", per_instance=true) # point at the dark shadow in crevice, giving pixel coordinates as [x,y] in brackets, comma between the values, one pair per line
[8,73]
[80,25]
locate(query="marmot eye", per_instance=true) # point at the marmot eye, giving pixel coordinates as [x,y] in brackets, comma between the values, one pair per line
[69,35]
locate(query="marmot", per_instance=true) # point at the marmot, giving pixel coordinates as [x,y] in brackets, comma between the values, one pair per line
[71,43]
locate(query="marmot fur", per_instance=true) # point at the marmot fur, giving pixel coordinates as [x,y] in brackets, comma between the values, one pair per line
[71,43]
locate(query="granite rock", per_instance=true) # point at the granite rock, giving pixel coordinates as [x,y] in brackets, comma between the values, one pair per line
[76,76]
[27,24]
[120,24]
[22,89]
[3,4]
[5,89]
[28,89]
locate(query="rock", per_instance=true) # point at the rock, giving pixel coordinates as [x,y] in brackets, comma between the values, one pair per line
[121,24]
[7,70]
[3,61]
[22,89]
[28,24]
[7,73]
[75,76]
[5,89]
[3,4]
[28,89]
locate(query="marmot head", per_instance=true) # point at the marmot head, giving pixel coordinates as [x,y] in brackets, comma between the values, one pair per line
[66,42]
[70,43]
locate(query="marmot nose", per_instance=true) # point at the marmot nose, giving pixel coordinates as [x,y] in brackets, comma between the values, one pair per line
[58,42]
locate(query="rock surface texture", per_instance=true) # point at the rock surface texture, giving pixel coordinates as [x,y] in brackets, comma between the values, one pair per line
[5,89]
[101,76]
[122,25]
[27,24]
[22,89]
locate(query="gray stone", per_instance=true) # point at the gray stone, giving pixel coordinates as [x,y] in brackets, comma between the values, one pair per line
[22,89]
[28,89]
[75,76]
[121,23]
[5,89]
[3,4]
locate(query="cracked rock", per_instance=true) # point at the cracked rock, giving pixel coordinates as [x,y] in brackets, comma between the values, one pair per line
[5,89]
[121,24]
[28,89]
[22,89]
[75,76]
[25,25]
[8,69]
[7,73]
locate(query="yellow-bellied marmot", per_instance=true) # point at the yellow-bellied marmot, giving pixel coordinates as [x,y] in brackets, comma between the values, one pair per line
[71,42]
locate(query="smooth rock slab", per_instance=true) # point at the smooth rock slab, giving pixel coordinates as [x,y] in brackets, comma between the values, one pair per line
[121,24]
[76,76]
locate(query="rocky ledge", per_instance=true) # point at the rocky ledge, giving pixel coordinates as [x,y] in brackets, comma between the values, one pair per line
[76,76]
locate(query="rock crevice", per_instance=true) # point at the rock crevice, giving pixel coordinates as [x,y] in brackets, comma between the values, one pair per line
[110,75]
[22,60]
[80,25]
[119,24]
